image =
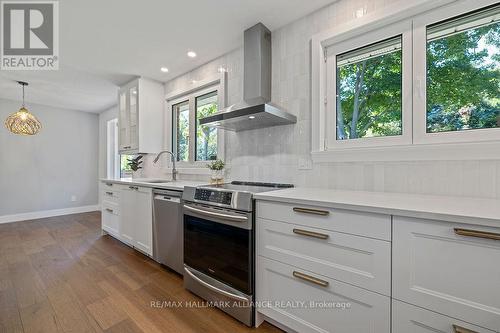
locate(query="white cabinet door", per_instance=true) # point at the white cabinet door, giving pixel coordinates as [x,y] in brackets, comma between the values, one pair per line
[136,210]
[133,113]
[123,121]
[407,318]
[128,213]
[437,267]
[143,224]
[307,302]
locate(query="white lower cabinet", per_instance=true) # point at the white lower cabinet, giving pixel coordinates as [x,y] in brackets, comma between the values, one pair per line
[407,318]
[127,214]
[136,208]
[449,268]
[307,302]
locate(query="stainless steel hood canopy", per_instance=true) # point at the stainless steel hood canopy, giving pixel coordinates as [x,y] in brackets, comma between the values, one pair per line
[254,111]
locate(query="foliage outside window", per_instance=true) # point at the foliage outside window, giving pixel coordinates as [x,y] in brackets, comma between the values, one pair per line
[181,112]
[191,141]
[125,170]
[463,73]
[369,91]
[206,137]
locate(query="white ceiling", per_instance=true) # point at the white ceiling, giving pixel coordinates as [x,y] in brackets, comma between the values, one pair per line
[104,44]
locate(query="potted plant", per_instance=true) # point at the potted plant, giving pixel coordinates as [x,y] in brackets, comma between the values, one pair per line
[134,164]
[217,168]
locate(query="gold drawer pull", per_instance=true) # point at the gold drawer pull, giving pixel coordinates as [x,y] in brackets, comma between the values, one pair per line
[311,211]
[477,233]
[311,279]
[460,329]
[109,210]
[109,193]
[310,234]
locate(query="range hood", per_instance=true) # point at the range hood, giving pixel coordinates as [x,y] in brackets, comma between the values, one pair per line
[254,111]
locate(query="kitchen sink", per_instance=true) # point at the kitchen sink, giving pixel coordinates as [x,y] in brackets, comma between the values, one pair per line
[151,180]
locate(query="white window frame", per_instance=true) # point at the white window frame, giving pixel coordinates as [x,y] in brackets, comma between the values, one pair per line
[420,24]
[402,29]
[197,88]
[415,144]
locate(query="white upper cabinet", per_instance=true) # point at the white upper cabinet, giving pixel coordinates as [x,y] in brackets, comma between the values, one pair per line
[140,110]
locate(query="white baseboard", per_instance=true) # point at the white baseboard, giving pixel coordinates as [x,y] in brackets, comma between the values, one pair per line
[47,213]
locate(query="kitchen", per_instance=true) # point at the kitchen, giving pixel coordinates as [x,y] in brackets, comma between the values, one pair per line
[329,166]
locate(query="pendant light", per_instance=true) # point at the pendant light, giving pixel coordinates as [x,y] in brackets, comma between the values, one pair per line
[23,122]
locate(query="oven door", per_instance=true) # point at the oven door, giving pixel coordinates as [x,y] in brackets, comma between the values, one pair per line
[219,243]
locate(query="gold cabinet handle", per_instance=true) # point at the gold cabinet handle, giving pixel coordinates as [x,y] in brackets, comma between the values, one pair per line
[311,211]
[311,279]
[477,233]
[460,329]
[109,210]
[310,234]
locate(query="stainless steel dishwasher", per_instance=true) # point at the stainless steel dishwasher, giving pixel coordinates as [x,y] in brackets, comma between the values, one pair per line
[168,229]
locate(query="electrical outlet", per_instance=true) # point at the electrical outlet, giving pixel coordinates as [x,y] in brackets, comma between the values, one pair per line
[305,164]
[73,198]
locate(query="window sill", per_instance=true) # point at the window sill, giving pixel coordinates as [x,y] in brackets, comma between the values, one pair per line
[427,152]
[201,170]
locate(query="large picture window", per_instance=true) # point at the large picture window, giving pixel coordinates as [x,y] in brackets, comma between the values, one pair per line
[192,142]
[429,77]
[369,91]
[463,73]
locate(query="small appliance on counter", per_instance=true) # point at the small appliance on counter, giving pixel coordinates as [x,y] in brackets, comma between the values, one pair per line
[219,244]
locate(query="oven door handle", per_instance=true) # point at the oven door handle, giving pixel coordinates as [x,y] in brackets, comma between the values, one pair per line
[217,290]
[214,214]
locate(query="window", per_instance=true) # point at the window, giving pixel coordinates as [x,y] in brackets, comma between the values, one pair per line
[426,77]
[463,73]
[369,91]
[206,137]
[191,141]
[181,114]
[112,155]
[125,170]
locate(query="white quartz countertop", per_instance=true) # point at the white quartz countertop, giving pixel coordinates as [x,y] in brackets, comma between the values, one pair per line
[455,209]
[168,185]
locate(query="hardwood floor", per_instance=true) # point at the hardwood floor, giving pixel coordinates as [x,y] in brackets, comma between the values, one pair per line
[61,275]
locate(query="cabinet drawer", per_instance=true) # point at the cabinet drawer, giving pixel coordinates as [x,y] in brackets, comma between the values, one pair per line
[365,262]
[407,318]
[108,186]
[453,274]
[110,219]
[110,195]
[111,207]
[352,222]
[287,295]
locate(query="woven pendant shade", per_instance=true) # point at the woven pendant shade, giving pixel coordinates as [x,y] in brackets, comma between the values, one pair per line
[23,122]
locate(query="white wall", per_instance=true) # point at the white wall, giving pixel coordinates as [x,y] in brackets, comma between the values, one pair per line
[42,172]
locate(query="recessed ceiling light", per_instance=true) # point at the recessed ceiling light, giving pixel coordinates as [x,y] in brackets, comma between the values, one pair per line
[251,117]
[164,69]
[191,54]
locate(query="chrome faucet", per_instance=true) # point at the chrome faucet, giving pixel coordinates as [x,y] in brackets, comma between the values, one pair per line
[174,158]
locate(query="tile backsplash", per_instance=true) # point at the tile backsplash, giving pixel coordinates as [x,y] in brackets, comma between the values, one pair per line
[273,154]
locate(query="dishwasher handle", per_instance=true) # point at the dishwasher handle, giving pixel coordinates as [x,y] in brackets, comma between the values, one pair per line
[166,197]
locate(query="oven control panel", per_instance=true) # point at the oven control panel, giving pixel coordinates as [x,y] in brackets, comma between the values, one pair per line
[220,197]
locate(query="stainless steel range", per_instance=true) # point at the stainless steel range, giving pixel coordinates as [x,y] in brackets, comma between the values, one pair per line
[219,244]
